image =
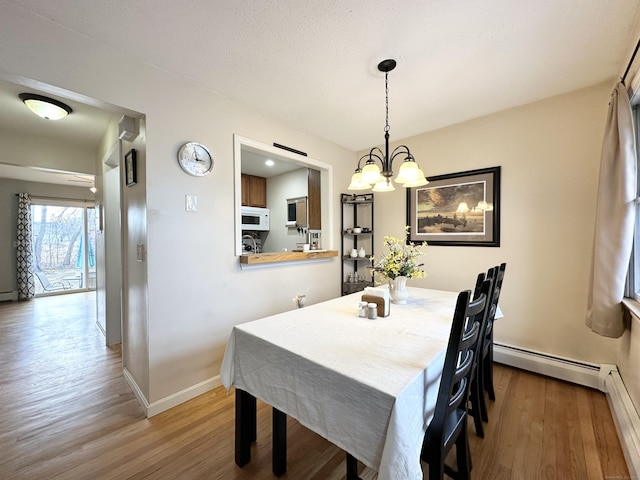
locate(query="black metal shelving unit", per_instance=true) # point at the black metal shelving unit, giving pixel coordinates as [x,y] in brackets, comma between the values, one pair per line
[357,211]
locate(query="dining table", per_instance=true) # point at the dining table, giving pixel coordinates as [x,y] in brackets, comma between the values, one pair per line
[369,386]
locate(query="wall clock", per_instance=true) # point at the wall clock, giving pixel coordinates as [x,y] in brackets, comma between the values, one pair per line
[195,159]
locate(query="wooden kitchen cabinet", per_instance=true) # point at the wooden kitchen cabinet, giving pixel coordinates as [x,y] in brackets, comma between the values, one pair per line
[254,191]
[315,199]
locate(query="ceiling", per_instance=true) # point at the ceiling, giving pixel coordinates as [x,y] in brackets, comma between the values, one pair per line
[254,162]
[313,65]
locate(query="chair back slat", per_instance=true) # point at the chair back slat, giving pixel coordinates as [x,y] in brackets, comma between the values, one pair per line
[459,358]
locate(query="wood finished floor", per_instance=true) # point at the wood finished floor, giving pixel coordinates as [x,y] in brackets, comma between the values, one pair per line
[67,413]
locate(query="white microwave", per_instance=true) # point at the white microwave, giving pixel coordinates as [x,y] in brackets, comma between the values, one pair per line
[255,218]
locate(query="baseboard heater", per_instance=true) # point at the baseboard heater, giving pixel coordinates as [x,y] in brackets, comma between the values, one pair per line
[587,374]
[605,378]
[8,296]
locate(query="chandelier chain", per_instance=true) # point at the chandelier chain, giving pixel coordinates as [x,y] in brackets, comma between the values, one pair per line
[386,94]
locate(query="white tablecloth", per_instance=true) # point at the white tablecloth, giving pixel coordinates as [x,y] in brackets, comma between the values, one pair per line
[368,386]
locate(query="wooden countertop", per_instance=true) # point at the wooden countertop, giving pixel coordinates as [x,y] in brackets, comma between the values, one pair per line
[254,259]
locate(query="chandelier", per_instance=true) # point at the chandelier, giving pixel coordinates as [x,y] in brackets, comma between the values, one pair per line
[379,177]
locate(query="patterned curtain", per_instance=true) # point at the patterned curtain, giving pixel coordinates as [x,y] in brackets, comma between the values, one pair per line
[26,282]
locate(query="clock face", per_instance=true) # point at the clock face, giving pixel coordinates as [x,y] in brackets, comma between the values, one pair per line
[195,159]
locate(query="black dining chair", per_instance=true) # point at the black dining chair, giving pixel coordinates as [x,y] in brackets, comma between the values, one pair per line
[477,405]
[486,360]
[448,426]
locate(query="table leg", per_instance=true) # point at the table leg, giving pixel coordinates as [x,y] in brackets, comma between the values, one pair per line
[245,426]
[352,468]
[279,443]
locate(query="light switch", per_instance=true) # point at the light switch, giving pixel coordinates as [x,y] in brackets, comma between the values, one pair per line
[140,252]
[191,203]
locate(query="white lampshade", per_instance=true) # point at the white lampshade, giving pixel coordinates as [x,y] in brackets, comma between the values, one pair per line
[45,107]
[383,186]
[357,183]
[371,173]
[409,172]
[419,182]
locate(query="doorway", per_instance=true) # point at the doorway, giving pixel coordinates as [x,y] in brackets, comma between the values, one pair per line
[64,258]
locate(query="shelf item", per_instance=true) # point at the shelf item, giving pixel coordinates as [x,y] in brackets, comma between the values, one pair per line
[357,212]
[357,259]
[348,288]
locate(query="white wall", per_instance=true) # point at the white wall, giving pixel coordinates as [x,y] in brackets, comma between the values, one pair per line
[45,153]
[196,290]
[550,153]
[279,189]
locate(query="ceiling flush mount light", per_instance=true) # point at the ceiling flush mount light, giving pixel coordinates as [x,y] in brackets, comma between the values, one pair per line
[379,177]
[45,107]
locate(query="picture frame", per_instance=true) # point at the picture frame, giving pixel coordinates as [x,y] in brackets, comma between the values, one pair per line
[456,209]
[131,176]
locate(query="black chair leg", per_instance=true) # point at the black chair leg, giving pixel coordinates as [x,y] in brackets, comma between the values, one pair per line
[488,376]
[477,421]
[475,398]
[437,471]
[463,457]
[482,404]
[352,468]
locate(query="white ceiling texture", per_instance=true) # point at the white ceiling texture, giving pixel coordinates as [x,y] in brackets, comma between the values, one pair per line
[313,65]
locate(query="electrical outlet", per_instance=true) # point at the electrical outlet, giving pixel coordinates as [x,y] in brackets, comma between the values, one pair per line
[301,300]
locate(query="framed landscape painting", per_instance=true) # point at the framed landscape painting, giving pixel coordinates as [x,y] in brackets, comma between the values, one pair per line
[457,209]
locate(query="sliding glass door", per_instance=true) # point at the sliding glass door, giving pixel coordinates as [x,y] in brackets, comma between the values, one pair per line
[63,246]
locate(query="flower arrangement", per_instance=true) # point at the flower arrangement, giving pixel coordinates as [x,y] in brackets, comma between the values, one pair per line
[401,259]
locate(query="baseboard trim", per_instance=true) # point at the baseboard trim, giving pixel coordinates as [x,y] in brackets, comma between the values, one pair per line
[102,330]
[9,296]
[182,396]
[171,401]
[581,373]
[626,419]
[142,400]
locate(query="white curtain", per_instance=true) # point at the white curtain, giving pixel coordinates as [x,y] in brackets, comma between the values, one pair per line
[26,282]
[615,218]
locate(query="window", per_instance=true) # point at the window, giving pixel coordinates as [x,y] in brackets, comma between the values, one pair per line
[63,246]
